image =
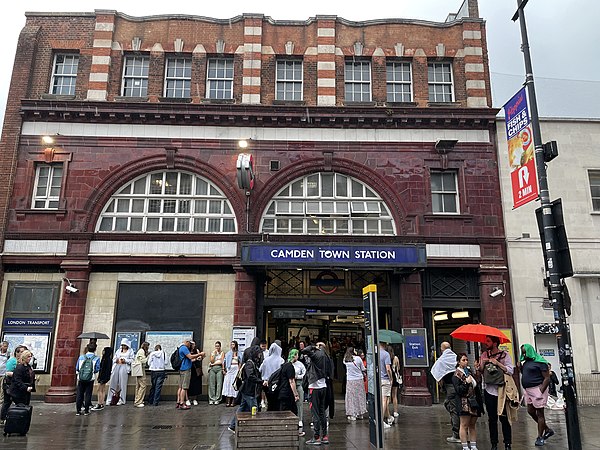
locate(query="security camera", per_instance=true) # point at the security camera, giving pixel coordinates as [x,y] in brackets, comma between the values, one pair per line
[71,289]
[496,292]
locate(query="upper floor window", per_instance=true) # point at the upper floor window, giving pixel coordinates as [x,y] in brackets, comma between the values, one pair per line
[135,76]
[399,82]
[219,78]
[289,80]
[178,78]
[439,76]
[64,74]
[327,203]
[357,81]
[444,192]
[48,182]
[594,177]
[168,202]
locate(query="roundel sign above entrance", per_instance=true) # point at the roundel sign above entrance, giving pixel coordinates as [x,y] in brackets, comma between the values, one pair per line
[245,171]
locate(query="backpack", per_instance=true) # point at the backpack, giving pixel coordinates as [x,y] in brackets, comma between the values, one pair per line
[239,378]
[274,383]
[176,359]
[86,369]
[491,373]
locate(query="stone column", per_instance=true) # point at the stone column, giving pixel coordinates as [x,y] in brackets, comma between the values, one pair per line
[415,378]
[70,325]
[495,311]
[244,309]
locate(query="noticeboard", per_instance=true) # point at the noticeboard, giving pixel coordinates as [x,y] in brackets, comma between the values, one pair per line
[243,336]
[168,340]
[415,352]
[133,336]
[37,343]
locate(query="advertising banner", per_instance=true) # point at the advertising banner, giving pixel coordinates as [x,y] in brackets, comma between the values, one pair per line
[521,151]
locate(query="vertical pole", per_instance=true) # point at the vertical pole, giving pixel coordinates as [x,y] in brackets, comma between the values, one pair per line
[550,253]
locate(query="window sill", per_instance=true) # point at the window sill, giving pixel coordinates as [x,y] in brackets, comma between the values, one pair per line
[123,98]
[57,97]
[360,103]
[467,218]
[219,101]
[289,102]
[402,104]
[22,213]
[175,99]
[443,104]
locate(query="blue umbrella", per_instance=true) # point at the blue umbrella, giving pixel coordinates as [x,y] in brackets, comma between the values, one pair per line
[390,336]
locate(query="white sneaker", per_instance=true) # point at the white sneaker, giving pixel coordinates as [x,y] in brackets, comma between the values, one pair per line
[141,405]
[188,403]
[390,420]
[195,402]
[351,418]
[396,414]
[386,425]
[263,404]
[300,425]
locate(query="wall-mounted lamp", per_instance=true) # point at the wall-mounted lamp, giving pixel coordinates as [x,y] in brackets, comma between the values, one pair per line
[440,317]
[460,315]
[243,143]
[48,140]
[70,288]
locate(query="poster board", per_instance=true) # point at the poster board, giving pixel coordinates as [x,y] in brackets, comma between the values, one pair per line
[133,336]
[168,340]
[37,343]
[508,346]
[415,352]
[243,336]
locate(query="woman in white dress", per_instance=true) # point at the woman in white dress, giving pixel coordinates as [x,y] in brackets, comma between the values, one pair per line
[356,404]
[233,361]
[120,372]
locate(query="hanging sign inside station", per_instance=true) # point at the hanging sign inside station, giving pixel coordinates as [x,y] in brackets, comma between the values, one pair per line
[338,255]
[521,151]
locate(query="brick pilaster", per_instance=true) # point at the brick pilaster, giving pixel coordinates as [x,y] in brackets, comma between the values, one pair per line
[103,37]
[326,61]
[251,79]
[244,299]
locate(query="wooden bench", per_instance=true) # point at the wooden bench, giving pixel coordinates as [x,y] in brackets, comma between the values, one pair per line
[269,429]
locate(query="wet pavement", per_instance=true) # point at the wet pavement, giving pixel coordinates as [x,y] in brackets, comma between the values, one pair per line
[205,427]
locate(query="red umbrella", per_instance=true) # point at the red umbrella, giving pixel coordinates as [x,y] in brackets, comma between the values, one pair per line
[477,332]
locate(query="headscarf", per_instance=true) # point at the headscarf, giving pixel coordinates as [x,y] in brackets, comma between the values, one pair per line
[271,362]
[445,364]
[293,352]
[531,354]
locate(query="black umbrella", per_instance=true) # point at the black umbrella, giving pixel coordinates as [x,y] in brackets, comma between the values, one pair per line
[92,335]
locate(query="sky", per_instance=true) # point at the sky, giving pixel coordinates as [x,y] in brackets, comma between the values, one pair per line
[563,35]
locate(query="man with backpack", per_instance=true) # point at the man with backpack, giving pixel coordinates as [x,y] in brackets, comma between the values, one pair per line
[251,382]
[182,361]
[88,365]
[319,369]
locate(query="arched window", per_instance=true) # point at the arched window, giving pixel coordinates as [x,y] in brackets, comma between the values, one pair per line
[327,203]
[168,202]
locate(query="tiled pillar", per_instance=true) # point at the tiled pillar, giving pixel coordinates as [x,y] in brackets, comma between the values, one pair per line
[326,61]
[415,392]
[478,92]
[252,59]
[495,311]
[103,35]
[70,325]
[244,299]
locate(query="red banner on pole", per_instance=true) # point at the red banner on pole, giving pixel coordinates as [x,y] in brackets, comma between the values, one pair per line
[521,151]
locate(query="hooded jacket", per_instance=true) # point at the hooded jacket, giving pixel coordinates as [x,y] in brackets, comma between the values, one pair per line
[271,362]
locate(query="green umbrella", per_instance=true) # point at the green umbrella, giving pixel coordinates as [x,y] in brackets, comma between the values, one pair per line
[390,336]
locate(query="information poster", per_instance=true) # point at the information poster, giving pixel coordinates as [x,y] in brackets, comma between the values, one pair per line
[508,346]
[243,336]
[168,340]
[37,343]
[415,352]
[133,336]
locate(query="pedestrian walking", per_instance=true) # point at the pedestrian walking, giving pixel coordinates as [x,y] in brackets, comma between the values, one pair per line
[318,370]
[356,404]
[11,365]
[467,403]
[86,368]
[157,361]
[443,370]
[300,371]
[23,380]
[535,379]
[233,361]
[495,364]
[215,375]
[396,380]
[385,374]
[138,370]
[252,382]
[103,377]
[120,373]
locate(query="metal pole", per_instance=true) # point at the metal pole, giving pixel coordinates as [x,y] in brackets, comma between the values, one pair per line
[555,287]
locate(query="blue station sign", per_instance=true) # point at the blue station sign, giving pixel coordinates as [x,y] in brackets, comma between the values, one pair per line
[27,322]
[297,255]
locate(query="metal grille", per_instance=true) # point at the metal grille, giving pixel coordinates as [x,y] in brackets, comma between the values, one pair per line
[285,283]
[362,279]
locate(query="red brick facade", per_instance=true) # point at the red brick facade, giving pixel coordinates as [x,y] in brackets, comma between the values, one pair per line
[97,163]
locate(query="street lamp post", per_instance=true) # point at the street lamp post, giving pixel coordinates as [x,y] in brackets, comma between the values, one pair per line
[550,251]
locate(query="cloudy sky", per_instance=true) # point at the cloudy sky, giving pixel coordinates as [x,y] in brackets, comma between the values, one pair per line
[564,37]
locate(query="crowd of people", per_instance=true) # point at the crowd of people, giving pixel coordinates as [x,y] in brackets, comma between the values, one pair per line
[491,388]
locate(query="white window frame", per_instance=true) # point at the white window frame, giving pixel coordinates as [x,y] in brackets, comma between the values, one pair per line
[392,83]
[57,85]
[181,63]
[327,203]
[357,81]
[135,76]
[445,192]
[433,82]
[287,81]
[594,173]
[48,199]
[168,201]
[227,87]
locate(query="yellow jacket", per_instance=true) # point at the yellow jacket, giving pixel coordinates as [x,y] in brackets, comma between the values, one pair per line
[508,395]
